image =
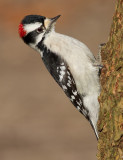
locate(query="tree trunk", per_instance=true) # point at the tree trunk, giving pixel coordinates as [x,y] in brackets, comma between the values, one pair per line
[110,124]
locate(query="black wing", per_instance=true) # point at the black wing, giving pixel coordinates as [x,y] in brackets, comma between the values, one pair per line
[59,69]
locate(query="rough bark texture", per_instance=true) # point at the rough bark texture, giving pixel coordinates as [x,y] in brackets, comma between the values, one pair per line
[110,124]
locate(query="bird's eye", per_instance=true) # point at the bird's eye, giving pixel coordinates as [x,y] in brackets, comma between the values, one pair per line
[40,29]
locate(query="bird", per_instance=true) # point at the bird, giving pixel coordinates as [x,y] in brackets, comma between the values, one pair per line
[69,61]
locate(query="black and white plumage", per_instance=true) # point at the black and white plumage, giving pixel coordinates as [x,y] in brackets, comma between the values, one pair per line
[69,61]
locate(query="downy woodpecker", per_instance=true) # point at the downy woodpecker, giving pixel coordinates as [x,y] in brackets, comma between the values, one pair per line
[70,62]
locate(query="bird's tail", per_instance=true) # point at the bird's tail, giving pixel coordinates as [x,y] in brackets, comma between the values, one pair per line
[92,104]
[95,129]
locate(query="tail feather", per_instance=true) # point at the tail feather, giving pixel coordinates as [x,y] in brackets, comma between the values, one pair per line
[92,104]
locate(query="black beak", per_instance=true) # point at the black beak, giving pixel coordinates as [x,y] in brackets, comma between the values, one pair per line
[48,22]
[55,19]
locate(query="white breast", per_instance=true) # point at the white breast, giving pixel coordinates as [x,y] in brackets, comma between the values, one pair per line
[79,59]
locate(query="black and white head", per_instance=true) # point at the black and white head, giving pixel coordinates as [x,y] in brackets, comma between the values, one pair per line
[33,28]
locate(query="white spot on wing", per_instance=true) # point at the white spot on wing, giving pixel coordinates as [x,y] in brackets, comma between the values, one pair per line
[78,108]
[62,68]
[69,77]
[68,72]
[68,84]
[61,77]
[78,103]
[84,112]
[74,92]
[62,73]
[69,81]
[72,97]
[62,63]
[57,69]
[64,87]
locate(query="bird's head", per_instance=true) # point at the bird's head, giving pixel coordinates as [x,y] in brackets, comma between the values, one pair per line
[33,28]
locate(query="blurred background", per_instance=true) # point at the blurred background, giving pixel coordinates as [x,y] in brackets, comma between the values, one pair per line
[37,120]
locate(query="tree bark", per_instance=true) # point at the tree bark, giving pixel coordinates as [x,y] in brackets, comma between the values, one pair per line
[110,123]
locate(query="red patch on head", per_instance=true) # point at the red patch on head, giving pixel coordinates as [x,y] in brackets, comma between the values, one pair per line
[21,31]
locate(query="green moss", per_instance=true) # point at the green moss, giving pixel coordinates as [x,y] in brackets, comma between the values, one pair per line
[110,125]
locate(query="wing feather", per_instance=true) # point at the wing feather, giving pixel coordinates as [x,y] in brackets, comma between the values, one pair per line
[59,69]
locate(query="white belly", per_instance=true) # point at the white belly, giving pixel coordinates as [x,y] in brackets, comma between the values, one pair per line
[79,59]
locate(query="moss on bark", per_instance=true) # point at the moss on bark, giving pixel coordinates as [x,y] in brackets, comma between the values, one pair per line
[110,124]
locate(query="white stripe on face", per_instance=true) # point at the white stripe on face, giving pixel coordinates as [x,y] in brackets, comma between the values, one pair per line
[31,27]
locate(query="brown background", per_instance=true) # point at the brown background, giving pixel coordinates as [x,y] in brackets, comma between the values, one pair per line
[37,120]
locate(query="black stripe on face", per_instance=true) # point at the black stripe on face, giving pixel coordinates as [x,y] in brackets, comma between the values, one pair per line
[30,37]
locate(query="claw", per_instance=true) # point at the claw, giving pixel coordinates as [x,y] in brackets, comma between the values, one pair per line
[102,44]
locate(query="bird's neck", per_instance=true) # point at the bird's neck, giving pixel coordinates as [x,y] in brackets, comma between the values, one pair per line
[50,41]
